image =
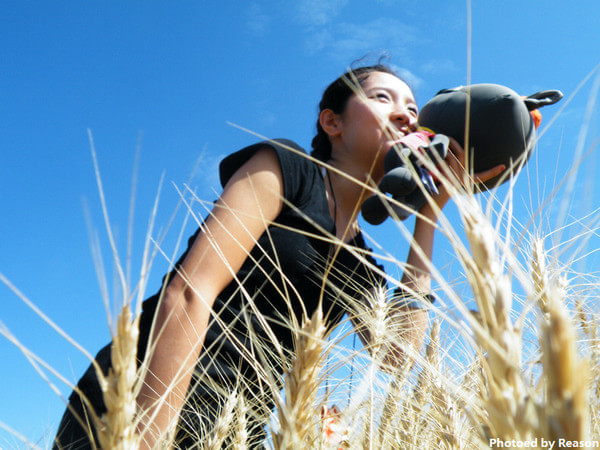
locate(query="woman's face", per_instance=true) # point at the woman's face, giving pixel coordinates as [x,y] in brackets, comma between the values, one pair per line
[382,113]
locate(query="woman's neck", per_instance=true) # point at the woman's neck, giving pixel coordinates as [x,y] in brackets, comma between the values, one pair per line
[346,195]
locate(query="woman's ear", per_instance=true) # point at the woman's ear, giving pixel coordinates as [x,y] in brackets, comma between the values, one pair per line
[331,122]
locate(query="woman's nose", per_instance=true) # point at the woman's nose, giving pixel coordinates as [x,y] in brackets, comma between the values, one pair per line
[403,118]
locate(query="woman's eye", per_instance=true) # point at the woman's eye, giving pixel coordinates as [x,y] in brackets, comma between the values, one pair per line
[382,96]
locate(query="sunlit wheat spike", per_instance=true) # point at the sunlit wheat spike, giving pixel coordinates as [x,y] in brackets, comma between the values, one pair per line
[588,322]
[566,375]
[420,420]
[240,428]
[297,416]
[116,429]
[392,404]
[510,410]
[406,420]
[444,423]
[539,274]
[377,321]
[375,318]
[223,423]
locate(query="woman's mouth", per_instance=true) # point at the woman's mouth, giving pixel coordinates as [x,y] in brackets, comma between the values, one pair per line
[396,134]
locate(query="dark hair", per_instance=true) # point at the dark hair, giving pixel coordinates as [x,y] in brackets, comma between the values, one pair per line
[335,98]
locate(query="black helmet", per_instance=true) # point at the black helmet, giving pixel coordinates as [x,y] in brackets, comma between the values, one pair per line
[501,127]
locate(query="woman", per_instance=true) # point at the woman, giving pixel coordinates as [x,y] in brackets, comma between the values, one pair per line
[257,262]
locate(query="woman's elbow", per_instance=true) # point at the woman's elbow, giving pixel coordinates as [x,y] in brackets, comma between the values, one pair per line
[182,301]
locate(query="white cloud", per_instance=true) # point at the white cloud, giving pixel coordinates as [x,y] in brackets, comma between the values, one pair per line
[345,41]
[409,77]
[439,66]
[316,13]
[258,22]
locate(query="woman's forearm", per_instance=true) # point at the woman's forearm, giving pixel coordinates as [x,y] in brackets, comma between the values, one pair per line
[417,273]
[174,348]
[250,201]
[411,323]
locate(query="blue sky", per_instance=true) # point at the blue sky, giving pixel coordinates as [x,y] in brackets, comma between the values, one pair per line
[170,78]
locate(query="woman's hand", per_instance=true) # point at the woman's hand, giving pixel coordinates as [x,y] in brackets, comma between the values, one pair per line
[455,172]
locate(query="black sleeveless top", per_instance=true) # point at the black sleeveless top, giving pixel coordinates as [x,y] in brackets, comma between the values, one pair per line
[283,275]
[281,279]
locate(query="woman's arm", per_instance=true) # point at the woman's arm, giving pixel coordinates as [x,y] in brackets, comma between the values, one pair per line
[411,323]
[417,274]
[250,201]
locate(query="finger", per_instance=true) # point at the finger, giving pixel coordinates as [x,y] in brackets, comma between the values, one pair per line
[457,151]
[456,156]
[455,146]
[455,160]
[482,177]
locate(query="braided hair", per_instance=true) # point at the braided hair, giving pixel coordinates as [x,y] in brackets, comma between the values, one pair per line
[335,98]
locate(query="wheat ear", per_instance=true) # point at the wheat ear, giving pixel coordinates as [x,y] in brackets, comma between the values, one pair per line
[539,274]
[509,407]
[297,415]
[444,422]
[222,425]
[240,430]
[116,428]
[566,375]
[392,404]
[589,325]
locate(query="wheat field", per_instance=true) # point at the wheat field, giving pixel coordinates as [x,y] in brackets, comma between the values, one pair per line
[512,358]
